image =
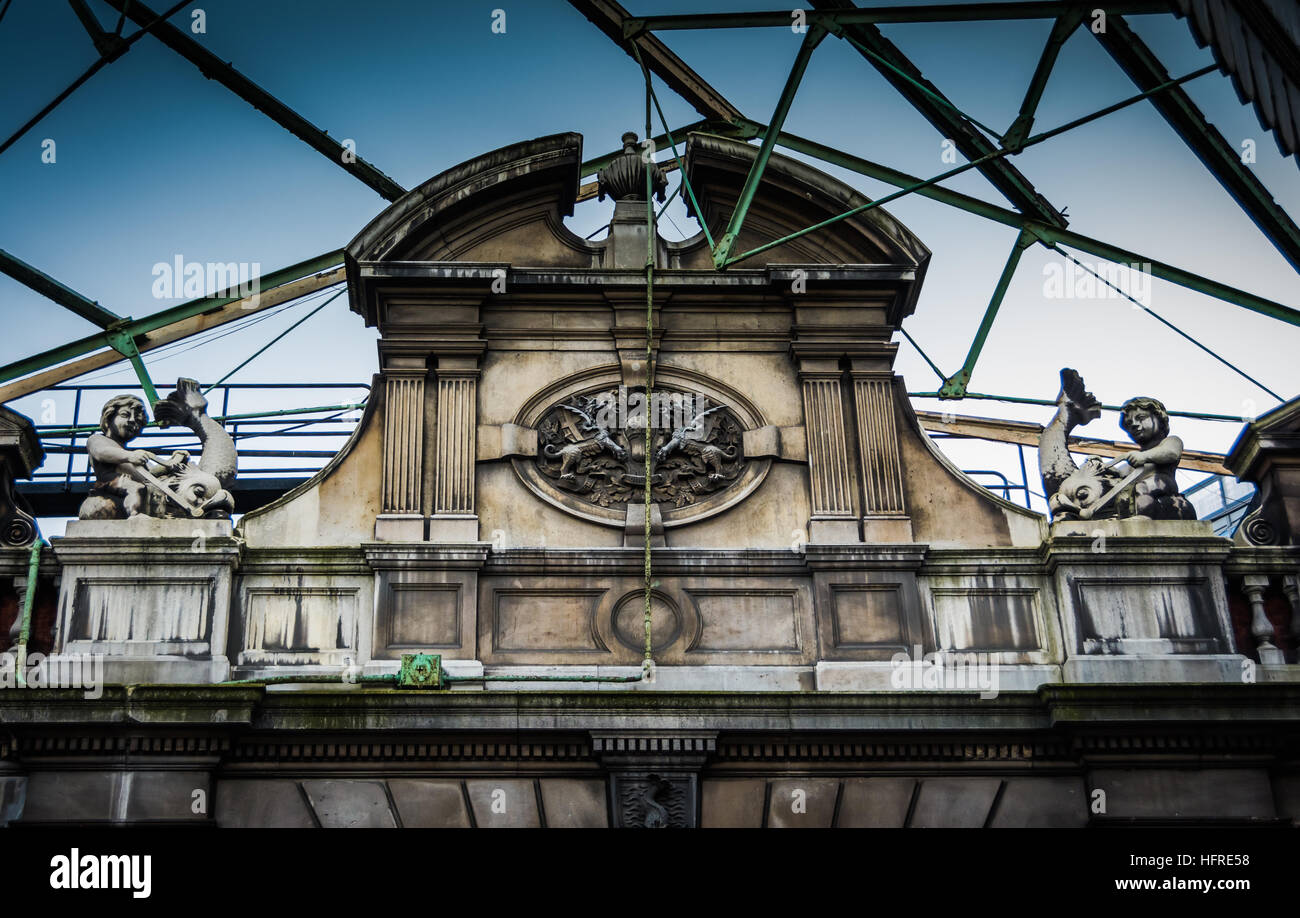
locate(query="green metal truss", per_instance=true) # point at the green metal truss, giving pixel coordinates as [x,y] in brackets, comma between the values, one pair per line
[1035,218]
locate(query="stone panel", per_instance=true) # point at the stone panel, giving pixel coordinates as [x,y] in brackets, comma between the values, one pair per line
[350,804]
[67,796]
[269,803]
[746,620]
[954,803]
[574,804]
[13,794]
[1178,610]
[542,621]
[867,615]
[1194,793]
[1041,803]
[174,611]
[423,615]
[506,804]
[802,803]
[875,803]
[430,804]
[115,796]
[426,600]
[167,795]
[987,620]
[732,803]
[288,624]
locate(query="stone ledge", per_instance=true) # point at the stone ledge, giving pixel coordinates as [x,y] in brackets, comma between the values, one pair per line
[381,709]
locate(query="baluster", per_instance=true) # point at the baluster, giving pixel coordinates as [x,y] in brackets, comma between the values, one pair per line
[1253,585]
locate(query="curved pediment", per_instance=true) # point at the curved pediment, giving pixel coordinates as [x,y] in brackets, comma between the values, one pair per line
[507,207]
[488,208]
[791,197]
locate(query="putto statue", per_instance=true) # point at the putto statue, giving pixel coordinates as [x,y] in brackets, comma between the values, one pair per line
[136,482]
[1140,483]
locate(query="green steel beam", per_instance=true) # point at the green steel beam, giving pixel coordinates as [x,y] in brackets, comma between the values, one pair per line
[888,175]
[1044,231]
[1220,157]
[608,16]
[1048,233]
[214,68]
[124,344]
[911,84]
[973,164]
[955,385]
[135,327]
[118,49]
[722,251]
[918,84]
[1020,400]
[1062,29]
[51,289]
[106,43]
[934,12]
[684,180]
[1166,272]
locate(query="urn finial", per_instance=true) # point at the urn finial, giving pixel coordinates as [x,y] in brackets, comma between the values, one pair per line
[624,178]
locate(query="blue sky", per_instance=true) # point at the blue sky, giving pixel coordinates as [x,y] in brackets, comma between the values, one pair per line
[155,161]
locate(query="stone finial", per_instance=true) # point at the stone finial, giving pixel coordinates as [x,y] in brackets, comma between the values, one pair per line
[624,178]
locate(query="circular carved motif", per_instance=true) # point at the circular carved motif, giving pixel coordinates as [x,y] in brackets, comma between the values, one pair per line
[593,447]
[629,621]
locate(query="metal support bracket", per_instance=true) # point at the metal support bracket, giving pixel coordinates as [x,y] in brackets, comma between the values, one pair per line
[124,344]
[722,251]
[1064,27]
[954,386]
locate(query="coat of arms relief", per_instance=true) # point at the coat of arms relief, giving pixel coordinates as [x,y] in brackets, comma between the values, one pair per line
[593,447]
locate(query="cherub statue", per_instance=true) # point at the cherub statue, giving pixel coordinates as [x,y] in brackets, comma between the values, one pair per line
[120,489]
[1155,496]
[126,485]
[1140,483]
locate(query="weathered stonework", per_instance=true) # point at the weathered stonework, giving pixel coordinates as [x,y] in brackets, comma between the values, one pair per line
[808,544]
[151,595]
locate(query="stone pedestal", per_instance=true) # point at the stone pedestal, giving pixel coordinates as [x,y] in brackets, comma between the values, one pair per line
[152,596]
[1142,600]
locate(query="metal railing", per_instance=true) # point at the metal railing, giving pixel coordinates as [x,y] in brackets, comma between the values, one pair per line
[293,443]
[295,440]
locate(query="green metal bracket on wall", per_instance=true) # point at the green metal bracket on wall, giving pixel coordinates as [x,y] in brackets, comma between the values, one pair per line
[421,670]
[124,344]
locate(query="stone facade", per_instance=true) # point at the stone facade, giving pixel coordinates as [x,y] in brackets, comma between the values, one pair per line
[821,571]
